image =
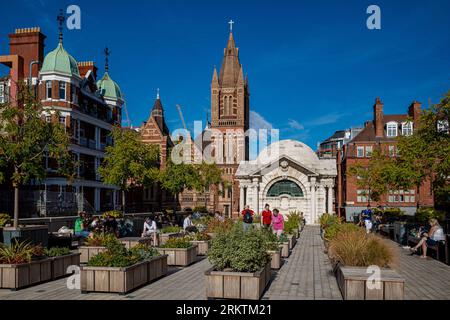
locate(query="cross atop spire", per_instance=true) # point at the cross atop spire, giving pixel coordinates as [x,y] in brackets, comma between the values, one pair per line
[106,52]
[231,22]
[60,18]
[157,93]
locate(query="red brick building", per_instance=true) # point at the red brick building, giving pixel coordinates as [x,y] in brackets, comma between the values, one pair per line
[381,132]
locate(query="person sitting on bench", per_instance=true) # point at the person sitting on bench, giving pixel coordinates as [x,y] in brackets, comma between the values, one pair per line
[429,238]
[150,229]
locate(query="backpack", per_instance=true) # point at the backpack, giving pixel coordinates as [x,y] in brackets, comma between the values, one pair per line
[248,217]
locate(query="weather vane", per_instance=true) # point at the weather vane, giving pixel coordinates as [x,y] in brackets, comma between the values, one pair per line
[60,18]
[106,52]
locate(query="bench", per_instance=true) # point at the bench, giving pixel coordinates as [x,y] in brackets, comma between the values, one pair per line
[56,239]
[387,231]
[437,247]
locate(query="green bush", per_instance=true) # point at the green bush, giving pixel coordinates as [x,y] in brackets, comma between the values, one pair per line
[144,252]
[326,220]
[270,239]
[238,250]
[114,213]
[199,236]
[177,243]
[201,209]
[424,214]
[296,217]
[290,226]
[56,251]
[171,229]
[101,240]
[334,229]
[4,219]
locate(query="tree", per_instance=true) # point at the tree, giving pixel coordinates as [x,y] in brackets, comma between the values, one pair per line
[209,174]
[129,162]
[425,154]
[26,139]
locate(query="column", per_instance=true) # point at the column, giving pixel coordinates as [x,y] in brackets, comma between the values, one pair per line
[241,196]
[256,195]
[330,199]
[313,201]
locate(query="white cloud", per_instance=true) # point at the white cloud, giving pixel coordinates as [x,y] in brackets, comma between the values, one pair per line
[325,119]
[294,124]
[257,121]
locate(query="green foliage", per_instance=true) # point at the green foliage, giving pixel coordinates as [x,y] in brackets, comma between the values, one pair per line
[238,250]
[327,220]
[177,243]
[296,217]
[201,209]
[129,162]
[144,252]
[4,219]
[177,177]
[390,213]
[290,226]
[271,240]
[114,213]
[333,230]
[216,226]
[17,253]
[199,236]
[283,238]
[56,251]
[101,240]
[171,229]
[425,214]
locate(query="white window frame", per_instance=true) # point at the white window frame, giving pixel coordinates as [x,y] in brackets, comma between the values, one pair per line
[48,86]
[62,89]
[391,126]
[358,149]
[369,151]
[407,128]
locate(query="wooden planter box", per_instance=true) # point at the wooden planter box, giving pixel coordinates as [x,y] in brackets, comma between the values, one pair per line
[35,234]
[122,280]
[163,237]
[18,276]
[275,256]
[292,241]
[180,256]
[352,282]
[60,264]
[202,246]
[88,252]
[237,285]
[284,249]
[130,242]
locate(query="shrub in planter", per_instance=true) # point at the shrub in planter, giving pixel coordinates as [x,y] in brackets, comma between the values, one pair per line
[201,209]
[331,231]
[177,243]
[290,227]
[171,229]
[273,248]
[202,240]
[100,240]
[216,226]
[424,214]
[180,251]
[114,213]
[57,251]
[326,220]
[5,219]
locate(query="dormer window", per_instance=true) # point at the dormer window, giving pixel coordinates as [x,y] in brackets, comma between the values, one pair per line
[48,89]
[62,90]
[391,129]
[407,128]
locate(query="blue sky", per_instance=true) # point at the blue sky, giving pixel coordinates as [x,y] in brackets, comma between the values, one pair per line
[313,66]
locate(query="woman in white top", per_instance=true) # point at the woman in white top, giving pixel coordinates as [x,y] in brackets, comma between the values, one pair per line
[435,235]
[150,229]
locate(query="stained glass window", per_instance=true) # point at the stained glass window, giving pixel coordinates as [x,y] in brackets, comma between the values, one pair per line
[285,187]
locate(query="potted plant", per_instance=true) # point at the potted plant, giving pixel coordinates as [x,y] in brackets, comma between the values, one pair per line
[121,270]
[291,229]
[202,240]
[241,265]
[215,226]
[5,220]
[169,232]
[352,251]
[180,251]
[95,245]
[273,248]
[284,245]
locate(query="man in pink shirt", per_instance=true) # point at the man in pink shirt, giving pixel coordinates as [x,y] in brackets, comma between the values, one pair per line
[277,222]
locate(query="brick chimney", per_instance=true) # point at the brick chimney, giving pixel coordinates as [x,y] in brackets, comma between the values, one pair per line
[378,117]
[414,112]
[29,44]
[85,66]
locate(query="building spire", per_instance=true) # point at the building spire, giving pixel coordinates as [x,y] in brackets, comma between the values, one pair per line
[231,22]
[60,18]
[106,52]
[157,93]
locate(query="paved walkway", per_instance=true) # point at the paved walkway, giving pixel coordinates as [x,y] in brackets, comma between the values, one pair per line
[307,273]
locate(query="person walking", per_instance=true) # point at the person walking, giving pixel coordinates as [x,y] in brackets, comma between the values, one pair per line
[247,216]
[277,222]
[266,216]
[367,217]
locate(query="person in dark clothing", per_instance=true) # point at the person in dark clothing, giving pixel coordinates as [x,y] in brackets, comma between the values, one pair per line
[111,225]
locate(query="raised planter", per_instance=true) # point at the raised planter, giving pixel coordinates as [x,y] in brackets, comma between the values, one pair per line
[202,246]
[61,263]
[292,241]
[122,280]
[275,256]
[284,249]
[163,237]
[237,285]
[88,252]
[212,235]
[180,256]
[353,281]
[18,276]
[36,234]
[130,242]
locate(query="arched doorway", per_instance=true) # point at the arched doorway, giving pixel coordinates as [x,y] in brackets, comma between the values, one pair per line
[286,195]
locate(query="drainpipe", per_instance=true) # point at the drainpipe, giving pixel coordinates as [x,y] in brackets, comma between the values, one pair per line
[30,76]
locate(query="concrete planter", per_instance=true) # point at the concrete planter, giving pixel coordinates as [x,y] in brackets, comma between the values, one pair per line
[61,263]
[163,237]
[275,258]
[130,242]
[36,234]
[122,280]
[88,252]
[284,249]
[180,256]
[353,282]
[237,285]
[202,246]
[18,276]
[292,241]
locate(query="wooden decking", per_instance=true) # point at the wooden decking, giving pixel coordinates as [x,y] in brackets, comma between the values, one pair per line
[305,275]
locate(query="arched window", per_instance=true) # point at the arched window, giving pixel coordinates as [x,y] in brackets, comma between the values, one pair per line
[285,187]
[225,105]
